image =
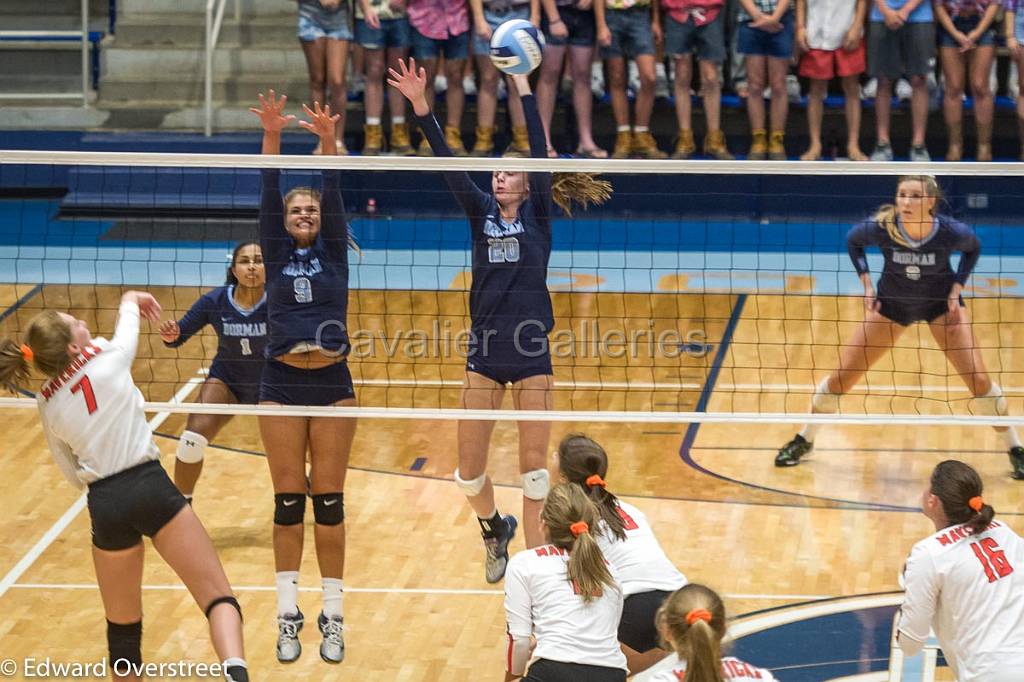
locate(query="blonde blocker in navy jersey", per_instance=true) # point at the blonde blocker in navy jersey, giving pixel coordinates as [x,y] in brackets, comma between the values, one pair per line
[917,277]
[509,305]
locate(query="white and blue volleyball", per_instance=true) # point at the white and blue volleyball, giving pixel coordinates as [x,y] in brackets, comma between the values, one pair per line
[517,47]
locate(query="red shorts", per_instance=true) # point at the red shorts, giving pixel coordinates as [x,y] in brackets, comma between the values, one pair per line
[827,64]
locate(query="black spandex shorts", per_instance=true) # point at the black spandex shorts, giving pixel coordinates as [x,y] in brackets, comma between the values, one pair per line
[132,503]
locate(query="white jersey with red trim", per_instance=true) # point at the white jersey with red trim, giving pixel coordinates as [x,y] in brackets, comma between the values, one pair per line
[970,590]
[92,411]
[639,561]
[541,601]
[732,669]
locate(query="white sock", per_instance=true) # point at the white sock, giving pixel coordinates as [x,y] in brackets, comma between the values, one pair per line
[287,593]
[824,401]
[373,120]
[810,431]
[623,129]
[640,129]
[397,120]
[334,590]
[1011,438]
[229,662]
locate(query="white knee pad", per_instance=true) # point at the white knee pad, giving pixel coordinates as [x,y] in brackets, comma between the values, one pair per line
[192,447]
[825,400]
[992,403]
[472,487]
[536,484]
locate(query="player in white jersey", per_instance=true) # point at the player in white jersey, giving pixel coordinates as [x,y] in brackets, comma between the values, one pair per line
[966,582]
[692,622]
[565,595]
[92,417]
[628,542]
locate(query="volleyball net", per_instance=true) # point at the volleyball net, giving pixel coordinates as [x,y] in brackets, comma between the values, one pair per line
[701,291]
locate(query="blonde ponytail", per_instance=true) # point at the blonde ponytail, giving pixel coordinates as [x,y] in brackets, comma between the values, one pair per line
[570,516]
[580,188]
[692,623]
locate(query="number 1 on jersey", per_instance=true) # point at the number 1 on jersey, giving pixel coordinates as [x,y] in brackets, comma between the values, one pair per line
[992,559]
[84,386]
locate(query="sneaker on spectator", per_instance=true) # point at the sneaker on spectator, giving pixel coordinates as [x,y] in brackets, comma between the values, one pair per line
[633,80]
[356,85]
[742,89]
[793,88]
[440,84]
[469,85]
[870,89]
[597,79]
[919,153]
[502,90]
[903,89]
[660,80]
[882,152]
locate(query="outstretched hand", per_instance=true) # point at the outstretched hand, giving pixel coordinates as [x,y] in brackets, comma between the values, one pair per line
[412,83]
[169,331]
[321,123]
[271,112]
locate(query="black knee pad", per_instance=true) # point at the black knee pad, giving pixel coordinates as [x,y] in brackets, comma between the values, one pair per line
[329,508]
[224,600]
[124,641]
[289,508]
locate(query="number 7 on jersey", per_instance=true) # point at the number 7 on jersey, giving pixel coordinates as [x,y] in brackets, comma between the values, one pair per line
[84,386]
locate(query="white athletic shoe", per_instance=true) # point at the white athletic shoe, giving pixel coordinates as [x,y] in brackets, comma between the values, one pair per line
[903,89]
[497,551]
[332,649]
[288,646]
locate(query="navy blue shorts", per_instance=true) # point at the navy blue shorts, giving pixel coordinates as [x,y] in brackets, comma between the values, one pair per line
[132,503]
[289,385]
[244,384]
[903,313]
[755,42]
[504,363]
[637,628]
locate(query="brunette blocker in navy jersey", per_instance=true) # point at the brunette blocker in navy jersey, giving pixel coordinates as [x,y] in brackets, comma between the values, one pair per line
[510,312]
[918,284]
[238,314]
[305,241]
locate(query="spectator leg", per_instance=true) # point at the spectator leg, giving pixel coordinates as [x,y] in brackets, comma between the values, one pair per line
[396,101]
[980,61]
[580,61]
[815,113]
[617,91]
[547,85]
[430,68]
[757,76]
[684,76]
[711,89]
[851,94]
[487,92]
[952,100]
[337,61]
[883,109]
[645,98]
[316,63]
[918,108]
[373,97]
[778,69]
[455,99]
[515,105]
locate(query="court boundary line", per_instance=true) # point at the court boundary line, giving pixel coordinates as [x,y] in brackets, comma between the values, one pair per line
[61,524]
[21,301]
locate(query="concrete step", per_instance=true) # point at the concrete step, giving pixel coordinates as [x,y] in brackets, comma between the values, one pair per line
[188,30]
[163,64]
[237,91]
[127,8]
[42,60]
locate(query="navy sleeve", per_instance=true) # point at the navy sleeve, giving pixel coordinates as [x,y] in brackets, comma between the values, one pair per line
[860,236]
[470,197]
[969,247]
[274,239]
[197,317]
[540,183]
[333,224]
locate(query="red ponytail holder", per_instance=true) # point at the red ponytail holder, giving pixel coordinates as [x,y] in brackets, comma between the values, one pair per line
[976,503]
[579,528]
[595,479]
[27,353]
[698,614]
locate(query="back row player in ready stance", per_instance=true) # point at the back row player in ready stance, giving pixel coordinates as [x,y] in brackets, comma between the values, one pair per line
[92,417]
[965,581]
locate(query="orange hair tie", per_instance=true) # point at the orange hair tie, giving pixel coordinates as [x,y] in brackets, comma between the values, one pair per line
[595,479]
[698,614]
[579,528]
[27,353]
[976,503]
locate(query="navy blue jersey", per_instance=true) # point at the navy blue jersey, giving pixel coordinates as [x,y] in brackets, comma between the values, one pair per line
[307,289]
[241,332]
[917,271]
[510,261]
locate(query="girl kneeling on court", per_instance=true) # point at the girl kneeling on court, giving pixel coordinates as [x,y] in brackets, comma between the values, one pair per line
[565,595]
[305,241]
[918,284]
[510,313]
[628,543]
[965,582]
[692,623]
[93,420]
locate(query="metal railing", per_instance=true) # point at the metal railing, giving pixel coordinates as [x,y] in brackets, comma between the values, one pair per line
[214,20]
[43,35]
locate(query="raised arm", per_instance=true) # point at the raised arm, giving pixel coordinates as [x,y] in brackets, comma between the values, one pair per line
[274,240]
[333,223]
[175,334]
[540,183]
[412,82]
[134,306]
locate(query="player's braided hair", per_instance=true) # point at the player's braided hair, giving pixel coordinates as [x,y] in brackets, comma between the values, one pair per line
[48,336]
[583,189]
[314,194]
[565,507]
[579,458]
[886,214]
[955,484]
[684,622]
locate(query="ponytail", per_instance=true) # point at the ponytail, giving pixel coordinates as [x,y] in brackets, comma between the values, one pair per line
[569,516]
[585,463]
[959,488]
[14,365]
[580,188]
[691,622]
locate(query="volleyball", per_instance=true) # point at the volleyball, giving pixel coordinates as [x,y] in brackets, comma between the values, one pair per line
[517,47]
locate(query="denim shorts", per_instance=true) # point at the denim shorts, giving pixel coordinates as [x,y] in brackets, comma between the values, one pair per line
[494,20]
[757,43]
[580,25]
[453,47]
[315,22]
[392,33]
[631,33]
[965,25]
[708,41]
